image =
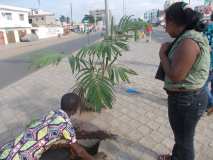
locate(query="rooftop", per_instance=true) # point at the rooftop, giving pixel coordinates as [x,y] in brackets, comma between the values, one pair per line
[38,12]
[13,8]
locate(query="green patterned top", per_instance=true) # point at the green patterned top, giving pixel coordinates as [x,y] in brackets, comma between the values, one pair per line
[55,127]
[199,72]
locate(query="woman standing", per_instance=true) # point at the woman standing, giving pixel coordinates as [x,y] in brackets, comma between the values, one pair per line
[148,32]
[186,65]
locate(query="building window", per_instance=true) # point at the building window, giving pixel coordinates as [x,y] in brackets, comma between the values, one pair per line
[7,15]
[42,18]
[21,17]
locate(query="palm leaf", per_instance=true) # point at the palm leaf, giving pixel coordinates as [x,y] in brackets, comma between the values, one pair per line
[99,93]
[77,63]
[118,73]
[98,90]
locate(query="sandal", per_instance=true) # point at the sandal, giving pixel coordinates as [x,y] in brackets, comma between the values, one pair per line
[210,111]
[165,157]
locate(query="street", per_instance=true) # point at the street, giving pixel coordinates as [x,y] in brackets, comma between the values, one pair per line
[160,36]
[15,68]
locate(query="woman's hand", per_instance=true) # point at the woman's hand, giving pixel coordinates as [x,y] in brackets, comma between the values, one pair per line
[80,152]
[163,50]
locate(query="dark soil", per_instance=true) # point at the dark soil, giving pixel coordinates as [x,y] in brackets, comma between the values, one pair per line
[64,153]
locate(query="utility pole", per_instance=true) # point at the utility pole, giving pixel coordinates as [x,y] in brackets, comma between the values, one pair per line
[107,17]
[71,20]
[189,1]
[124,8]
[95,21]
[39,4]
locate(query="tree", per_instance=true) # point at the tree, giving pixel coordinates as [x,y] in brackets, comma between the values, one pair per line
[158,13]
[99,19]
[68,20]
[129,25]
[62,19]
[207,2]
[88,19]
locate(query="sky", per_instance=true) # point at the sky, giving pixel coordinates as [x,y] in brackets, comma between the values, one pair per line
[82,7]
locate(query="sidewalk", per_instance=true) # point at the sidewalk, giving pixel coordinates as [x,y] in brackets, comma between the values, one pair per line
[140,120]
[15,49]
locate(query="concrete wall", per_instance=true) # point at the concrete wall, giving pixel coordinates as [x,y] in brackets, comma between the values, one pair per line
[47,32]
[50,20]
[16,34]
[5,36]
[44,20]
[28,31]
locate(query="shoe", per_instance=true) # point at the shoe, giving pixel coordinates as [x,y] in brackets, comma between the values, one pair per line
[210,111]
[165,157]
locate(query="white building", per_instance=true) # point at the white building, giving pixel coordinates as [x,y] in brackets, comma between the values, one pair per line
[14,23]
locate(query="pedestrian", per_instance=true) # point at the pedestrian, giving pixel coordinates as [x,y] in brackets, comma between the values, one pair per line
[54,128]
[142,34]
[209,34]
[186,63]
[148,33]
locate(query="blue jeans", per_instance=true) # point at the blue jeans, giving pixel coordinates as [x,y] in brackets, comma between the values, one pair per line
[209,92]
[185,110]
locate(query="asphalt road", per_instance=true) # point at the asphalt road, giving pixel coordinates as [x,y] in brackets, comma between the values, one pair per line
[15,68]
[160,36]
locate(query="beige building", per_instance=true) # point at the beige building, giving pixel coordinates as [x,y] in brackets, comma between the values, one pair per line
[41,18]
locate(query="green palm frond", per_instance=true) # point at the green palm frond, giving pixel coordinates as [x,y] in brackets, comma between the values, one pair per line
[118,73]
[77,89]
[77,63]
[98,90]
[42,60]
[124,23]
[85,77]
[108,48]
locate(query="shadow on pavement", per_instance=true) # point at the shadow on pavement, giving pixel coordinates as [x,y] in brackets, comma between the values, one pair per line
[126,149]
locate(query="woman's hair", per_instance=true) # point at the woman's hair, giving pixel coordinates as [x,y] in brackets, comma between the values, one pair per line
[211,18]
[182,15]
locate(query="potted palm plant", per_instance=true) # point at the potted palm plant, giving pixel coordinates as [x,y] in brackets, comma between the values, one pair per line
[95,67]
